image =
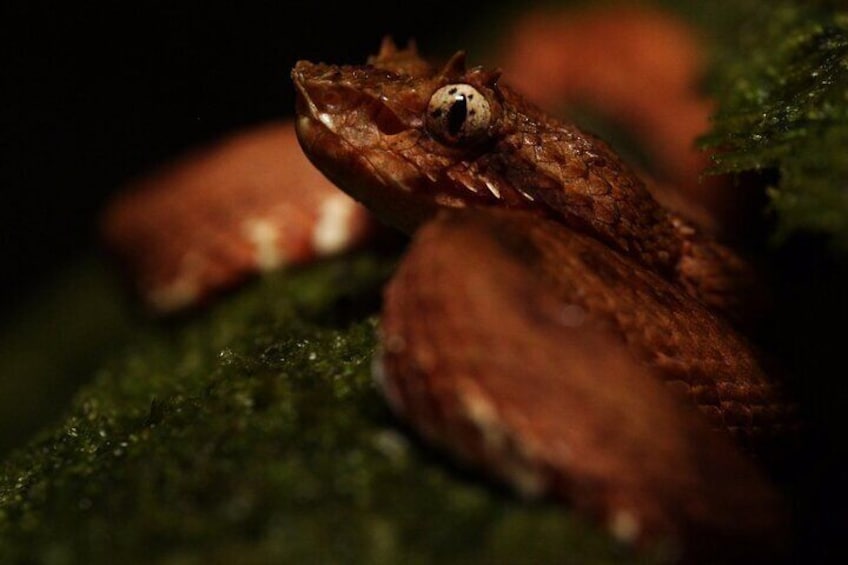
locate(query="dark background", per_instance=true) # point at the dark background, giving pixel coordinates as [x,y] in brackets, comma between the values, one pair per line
[98,95]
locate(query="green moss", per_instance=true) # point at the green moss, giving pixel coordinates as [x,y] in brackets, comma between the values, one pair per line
[781,79]
[74,317]
[254,433]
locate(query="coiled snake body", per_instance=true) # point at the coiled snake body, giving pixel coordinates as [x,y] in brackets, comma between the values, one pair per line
[546,297]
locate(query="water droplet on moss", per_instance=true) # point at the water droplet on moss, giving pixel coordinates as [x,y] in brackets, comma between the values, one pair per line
[227,357]
[392,444]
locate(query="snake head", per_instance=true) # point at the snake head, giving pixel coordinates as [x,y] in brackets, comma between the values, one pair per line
[400,136]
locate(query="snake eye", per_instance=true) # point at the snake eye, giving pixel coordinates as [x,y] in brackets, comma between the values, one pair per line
[457,114]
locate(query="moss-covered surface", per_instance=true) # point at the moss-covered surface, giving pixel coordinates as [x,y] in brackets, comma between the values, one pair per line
[53,342]
[253,433]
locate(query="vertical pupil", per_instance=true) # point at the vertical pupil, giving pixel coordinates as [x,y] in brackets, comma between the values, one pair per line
[457,114]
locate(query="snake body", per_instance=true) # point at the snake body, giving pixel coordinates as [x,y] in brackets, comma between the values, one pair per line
[552,322]
[544,299]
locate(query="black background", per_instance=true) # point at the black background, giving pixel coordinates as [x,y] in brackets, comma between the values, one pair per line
[97,95]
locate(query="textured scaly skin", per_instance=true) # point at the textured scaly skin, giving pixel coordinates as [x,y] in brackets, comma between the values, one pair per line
[363,127]
[552,285]
[520,347]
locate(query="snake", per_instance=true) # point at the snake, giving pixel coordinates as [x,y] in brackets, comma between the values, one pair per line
[555,323]
[552,323]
